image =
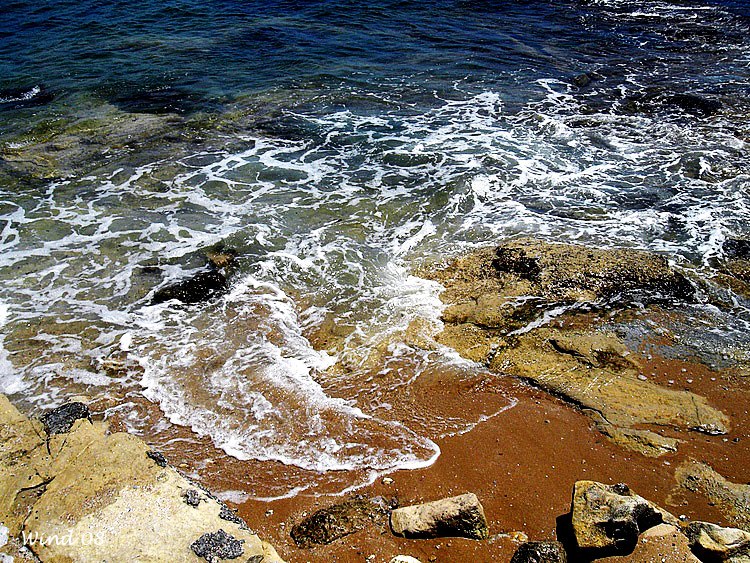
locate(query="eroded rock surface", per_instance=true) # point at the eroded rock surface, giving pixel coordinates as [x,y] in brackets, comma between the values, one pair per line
[335,522]
[499,302]
[713,544]
[105,493]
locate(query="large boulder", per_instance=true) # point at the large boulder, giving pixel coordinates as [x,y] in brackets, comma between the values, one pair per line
[96,496]
[540,552]
[607,519]
[337,521]
[460,516]
[714,544]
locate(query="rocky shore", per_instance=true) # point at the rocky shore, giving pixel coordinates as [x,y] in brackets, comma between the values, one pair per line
[600,402]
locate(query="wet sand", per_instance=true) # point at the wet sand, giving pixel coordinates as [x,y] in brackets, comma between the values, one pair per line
[522,465]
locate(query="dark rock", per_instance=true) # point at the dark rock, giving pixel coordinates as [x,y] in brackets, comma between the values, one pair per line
[61,419]
[461,516]
[737,249]
[335,522]
[516,261]
[192,497]
[199,288]
[158,458]
[585,78]
[218,545]
[540,552]
[230,515]
[694,104]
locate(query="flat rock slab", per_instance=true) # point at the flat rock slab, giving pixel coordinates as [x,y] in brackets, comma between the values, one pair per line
[461,516]
[101,497]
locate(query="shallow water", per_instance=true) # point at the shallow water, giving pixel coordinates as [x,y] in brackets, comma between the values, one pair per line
[349,145]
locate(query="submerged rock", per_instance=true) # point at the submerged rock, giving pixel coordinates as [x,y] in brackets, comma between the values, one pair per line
[714,544]
[461,516]
[201,287]
[732,499]
[540,552]
[61,419]
[335,522]
[607,519]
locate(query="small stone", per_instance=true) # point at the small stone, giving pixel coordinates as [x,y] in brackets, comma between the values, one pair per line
[461,516]
[192,497]
[217,545]
[405,559]
[540,552]
[158,458]
[387,481]
[642,377]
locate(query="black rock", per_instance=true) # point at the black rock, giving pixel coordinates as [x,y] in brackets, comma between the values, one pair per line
[694,104]
[516,261]
[737,249]
[230,515]
[61,419]
[540,552]
[199,288]
[158,458]
[217,545]
[192,497]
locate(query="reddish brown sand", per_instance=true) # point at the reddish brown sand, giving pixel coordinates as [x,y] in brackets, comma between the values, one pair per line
[522,465]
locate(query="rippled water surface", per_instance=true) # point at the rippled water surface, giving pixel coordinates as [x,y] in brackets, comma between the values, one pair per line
[336,147]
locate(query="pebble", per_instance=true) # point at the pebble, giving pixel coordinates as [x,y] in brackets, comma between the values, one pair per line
[642,377]
[387,481]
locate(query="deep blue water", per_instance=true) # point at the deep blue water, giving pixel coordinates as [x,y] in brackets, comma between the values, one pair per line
[187,55]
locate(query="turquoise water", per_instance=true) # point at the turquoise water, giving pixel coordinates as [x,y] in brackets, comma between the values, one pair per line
[336,147]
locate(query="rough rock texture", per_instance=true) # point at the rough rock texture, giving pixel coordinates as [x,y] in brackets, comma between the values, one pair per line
[104,493]
[712,543]
[736,266]
[461,516]
[733,499]
[540,552]
[334,522]
[594,370]
[661,544]
[61,419]
[201,287]
[217,546]
[607,519]
[498,300]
